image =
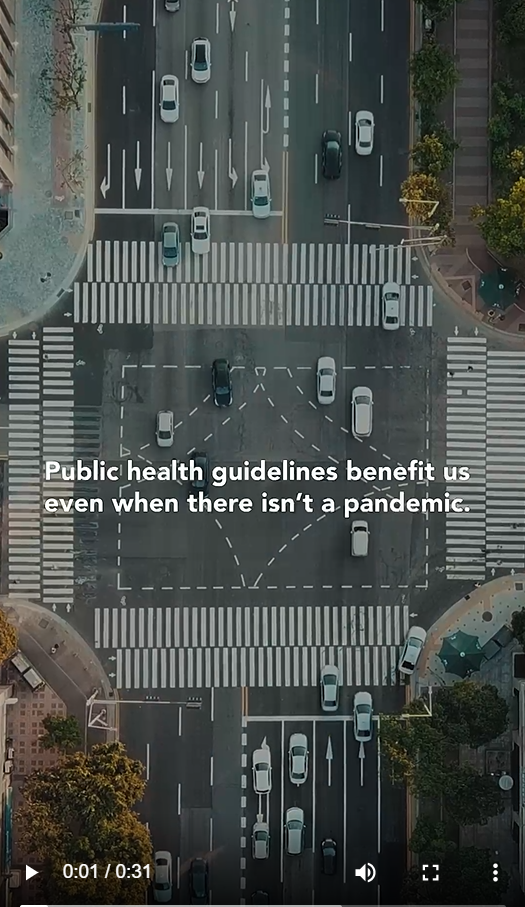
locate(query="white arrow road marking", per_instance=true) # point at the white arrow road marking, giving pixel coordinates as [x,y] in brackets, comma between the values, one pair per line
[233,14]
[329,759]
[138,169]
[362,762]
[106,182]
[200,172]
[260,370]
[169,168]
[232,173]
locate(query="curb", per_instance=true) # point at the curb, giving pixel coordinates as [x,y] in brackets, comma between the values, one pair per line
[89,197]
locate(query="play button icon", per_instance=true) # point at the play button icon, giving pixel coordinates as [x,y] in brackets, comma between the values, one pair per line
[30,872]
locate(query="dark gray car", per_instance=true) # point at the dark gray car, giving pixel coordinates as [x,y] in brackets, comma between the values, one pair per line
[170,245]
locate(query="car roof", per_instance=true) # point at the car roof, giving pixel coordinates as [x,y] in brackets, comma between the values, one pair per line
[363,697]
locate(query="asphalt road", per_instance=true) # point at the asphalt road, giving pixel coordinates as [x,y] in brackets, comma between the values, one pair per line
[250,606]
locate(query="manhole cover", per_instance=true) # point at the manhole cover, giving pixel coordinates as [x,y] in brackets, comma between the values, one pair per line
[518,587]
[466,285]
[487,615]
[43,623]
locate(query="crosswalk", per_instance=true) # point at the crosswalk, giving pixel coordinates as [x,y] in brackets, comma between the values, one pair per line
[244,304]
[486,432]
[250,646]
[119,261]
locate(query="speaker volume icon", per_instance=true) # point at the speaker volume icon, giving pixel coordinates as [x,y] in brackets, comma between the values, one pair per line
[367,872]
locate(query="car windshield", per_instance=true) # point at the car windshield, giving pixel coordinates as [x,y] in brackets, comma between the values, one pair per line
[295,825]
[201,230]
[391,297]
[391,319]
[363,709]
[329,680]
[261,767]
[332,146]
[260,835]
[162,886]
[408,664]
[169,105]
[164,434]
[362,399]
[170,251]
[200,58]
[412,641]
[260,200]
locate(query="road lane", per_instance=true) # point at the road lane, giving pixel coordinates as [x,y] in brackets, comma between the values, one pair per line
[362,817]
[330,772]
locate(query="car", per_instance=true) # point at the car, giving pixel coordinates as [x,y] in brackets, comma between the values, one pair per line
[294,830]
[261,841]
[170,245]
[162,882]
[298,758]
[172,6]
[221,383]
[260,897]
[363,716]
[164,428]
[261,197]
[169,99]
[332,154]
[362,410]
[326,375]
[328,856]
[201,460]
[200,60]
[329,688]
[391,299]
[412,648]
[364,132]
[360,535]
[262,770]
[200,231]
[199,881]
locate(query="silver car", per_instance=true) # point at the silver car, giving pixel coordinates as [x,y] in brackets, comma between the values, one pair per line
[298,758]
[170,245]
[201,60]
[262,770]
[169,99]
[261,198]
[362,411]
[261,841]
[294,828]
[162,883]
[411,650]
[363,716]
[164,428]
[330,688]
[326,375]
[200,231]
[364,132]
[391,300]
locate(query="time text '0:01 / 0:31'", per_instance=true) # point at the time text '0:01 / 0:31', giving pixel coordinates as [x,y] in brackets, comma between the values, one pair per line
[120,870]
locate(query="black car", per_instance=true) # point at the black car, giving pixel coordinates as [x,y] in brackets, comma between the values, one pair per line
[260,897]
[329,856]
[199,881]
[332,154]
[201,460]
[222,383]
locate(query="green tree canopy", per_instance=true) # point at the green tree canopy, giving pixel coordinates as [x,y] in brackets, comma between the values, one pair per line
[80,811]
[430,838]
[434,152]
[434,74]
[502,223]
[470,797]
[438,9]
[8,638]
[465,877]
[470,713]
[61,733]
[518,626]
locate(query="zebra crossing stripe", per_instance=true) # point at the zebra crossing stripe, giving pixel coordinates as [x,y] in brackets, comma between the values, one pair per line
[250,305]
[246,262]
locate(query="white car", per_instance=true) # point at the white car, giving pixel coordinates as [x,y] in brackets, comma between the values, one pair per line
[363,716]
[364,132]
[298,758]
[260,841]
[326,380]
[412,649]
[261,197]
[294,828]
[200,231]
[164,429]
[169,99]
[330,688]
[362,411]
[391,299]
[262,771]
[162,883]
[200,62]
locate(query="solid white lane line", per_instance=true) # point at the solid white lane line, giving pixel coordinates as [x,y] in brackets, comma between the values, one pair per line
[317,88]
[124,98]
[350,127]
[350,47]
[316,168]
[147,761]
[246,66]
[185,165]
[317,12]
[152,175]
[216,103]
[179,799]
[217,19]
[123,177]
[382,15]
[380,169]
[212,704]
[180,722]
[382,90]
[246,177]
[282,800]
[211,771]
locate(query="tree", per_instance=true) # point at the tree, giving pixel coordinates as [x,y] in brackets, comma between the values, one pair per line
[61,733]
[80,811]
[465,877]
[518,626]
[417,191]
[73,171]
[434,74]
[470,713]
[8,638]
[62,80]
[434,152]
[438,9]
[66,15]
[502,223]
[470,797]
[511,25]
[430,838]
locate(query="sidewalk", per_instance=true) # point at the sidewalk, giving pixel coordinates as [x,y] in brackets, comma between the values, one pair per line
[487,610]
[71,676]
[468,35]
[50,226]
